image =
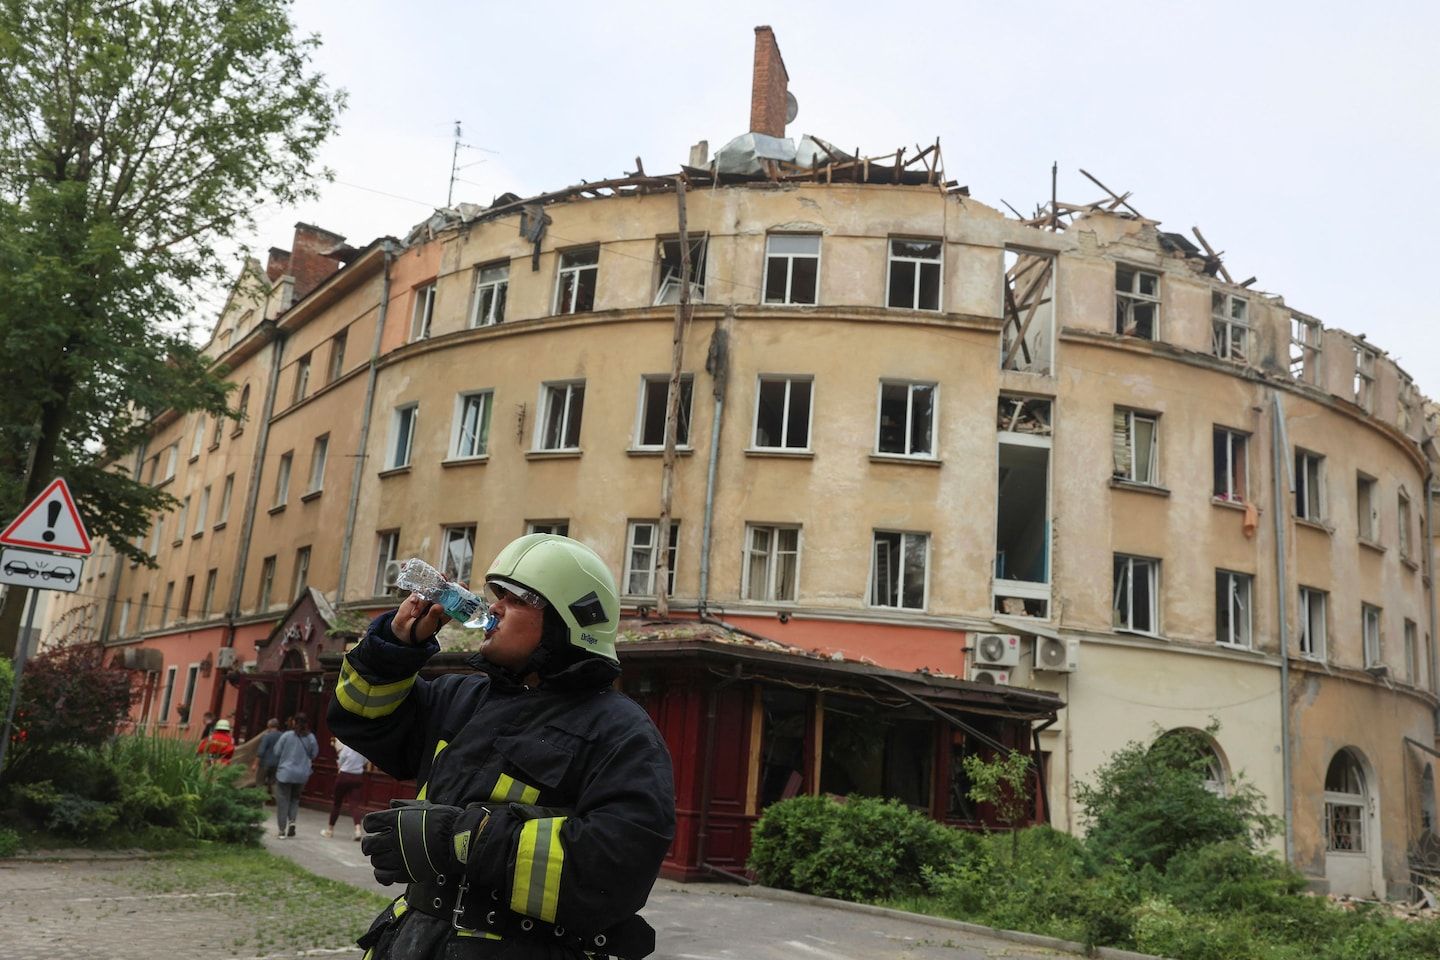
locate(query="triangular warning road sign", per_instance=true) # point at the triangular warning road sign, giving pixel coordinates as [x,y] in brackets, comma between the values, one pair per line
[51,522]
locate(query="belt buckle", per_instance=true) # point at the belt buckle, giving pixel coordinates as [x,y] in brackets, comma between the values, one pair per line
[459,909]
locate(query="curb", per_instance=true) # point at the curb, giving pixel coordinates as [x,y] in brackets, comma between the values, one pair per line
[81,854]
[944,923]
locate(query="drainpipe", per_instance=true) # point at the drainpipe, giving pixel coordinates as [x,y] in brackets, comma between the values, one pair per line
[359,473]
[717,364]
[1280,466]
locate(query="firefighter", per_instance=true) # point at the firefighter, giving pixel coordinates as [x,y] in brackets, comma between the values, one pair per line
[218,746]
[545,801]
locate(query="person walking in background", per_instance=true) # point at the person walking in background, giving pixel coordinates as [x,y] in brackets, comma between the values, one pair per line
[349,778]
[218,746]
[294,752]
[265,758]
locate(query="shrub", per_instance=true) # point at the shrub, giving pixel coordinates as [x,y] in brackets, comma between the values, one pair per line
[227,812]
[1229,876]
[861,849]
[68,696]
[9,842]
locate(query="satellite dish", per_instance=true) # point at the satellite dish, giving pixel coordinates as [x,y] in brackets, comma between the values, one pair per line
[792,107]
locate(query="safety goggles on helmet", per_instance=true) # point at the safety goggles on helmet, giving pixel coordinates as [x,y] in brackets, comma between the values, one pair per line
[501,589]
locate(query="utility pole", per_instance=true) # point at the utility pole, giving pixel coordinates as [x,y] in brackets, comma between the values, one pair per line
[454,166]
[672,411]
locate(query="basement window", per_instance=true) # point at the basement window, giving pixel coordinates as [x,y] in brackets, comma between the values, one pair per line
[668,254]
[1135,444]
[1231,465]
[1137,302]
[575,284]
[792,268]
[914,274]
[1229,327]
[1232,608]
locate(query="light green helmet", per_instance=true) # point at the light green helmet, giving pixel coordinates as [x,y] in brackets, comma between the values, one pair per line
[573,579]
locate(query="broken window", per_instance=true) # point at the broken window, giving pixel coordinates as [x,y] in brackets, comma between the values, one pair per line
[792,268]
[491,285]
[267,583]
[1021,578]
[898,576]
[654,395]
[668,253]
[1365,378]
[457,552]
[1229,326]
[1305,343]
[559,528]
[1021,414]
[907,419]
[198,440]
[1313,605]
[282,480]
[1345,802]
[472,424]
[772,562]
[1137,588]
[1407,402]
[1367,510]
[302,379]
[575,283]
[302,572]
[1232,608]
[1135,442]
[867,751]
[782,744]
[1231,465]
[1412,667]
[1309,486]
[402,435]
[914,280]
[782,413]
[337,361]
[1027,334]
[1370,628]
[318,453]
[1137,302]
[387,546]
[423,312]
[642,558]
[1402,516]
[562,405]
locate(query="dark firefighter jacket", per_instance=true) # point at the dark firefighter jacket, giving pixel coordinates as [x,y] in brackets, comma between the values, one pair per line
[561,880]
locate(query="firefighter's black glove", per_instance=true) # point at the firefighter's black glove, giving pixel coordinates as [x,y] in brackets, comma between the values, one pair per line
[416,841]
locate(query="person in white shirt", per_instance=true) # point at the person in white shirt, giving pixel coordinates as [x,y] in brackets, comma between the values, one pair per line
[350,770]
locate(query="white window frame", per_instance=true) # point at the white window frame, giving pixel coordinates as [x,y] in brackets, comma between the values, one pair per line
[563,392]
[1403,519]
[1412,647]
[167,699]
[448,535]
[1306,347]
[685,409]
[172,458]
[302,379]
[123,628]
[192,677]
[566,270]
[918,264]
[319,453]
[790,258]
[1125,623]
[301,574]
[471,441]
[182,520]
[1306,484]
[667,290]
[282,478]
[422,315]
[387,548]
[549,526]
[1370,624]
[1313,637]
[492,280]
[267,582]
[910,388]
[768,592]
[1231,495]
[631,546]
[1365,378]
[202,513]
[335,366]
[227,492]
[403,420]
[1225,326]
[789,380]
[1126,300]
[1130,475]
[1367,490]
[1239,588]
[873,593]
[198,442]
[207,598]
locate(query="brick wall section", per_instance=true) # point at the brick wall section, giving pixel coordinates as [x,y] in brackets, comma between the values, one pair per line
[277,264]
[767,90]
[310,263]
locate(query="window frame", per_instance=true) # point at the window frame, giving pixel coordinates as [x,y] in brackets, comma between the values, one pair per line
[1241,591]
[1411,634]
[686,409]
[499,291]
[564,270]
[1364,378]
[1367,490]
[422,312]
[631,546]
[335,366]
[1371,641]
[789,379]
[301,386]
[166,699]
[480,445]
[404,418]
[207,599]
[282,478]
[1230,495]
[533,526]
[910,387]
[548,391]
[773,552]
[300,578]
[665,282]
[266,594]
[202,512]
[1305,632]
[227,493]
[1404,520]
[1307,345]
[319,456]
[1132,446]
[918,264]
[467,533]
[1152,567]
[197,442]
[1222,346]
[387,549]
[788,300]
[872,593]
[1304,461]
[1127,300]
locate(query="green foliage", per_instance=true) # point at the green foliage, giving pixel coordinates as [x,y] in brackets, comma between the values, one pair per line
[1229,876]
[860,849]
[9,843]
[1002,784]
[69,697]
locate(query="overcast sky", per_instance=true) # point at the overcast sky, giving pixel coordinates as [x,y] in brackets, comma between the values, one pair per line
[1299,136]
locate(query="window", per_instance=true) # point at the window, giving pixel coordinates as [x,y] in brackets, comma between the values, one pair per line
[302,572]
[1137,302]
[562,405]
[1021,568]
[1365,378]
[1306,337]
[575,284]
[906,419]
[167,608]
[337,357]
[1309,486]
[207,601]
[1231,465]
[560,528]
[219,429]
[642,558]
[402,435]
[226,492]
[1345,801]
[1027,309]
[302,379]
[198,440]
[782,413]
[242,410]
[914,274]
[472,425]
[1412,650]
[1370,628]
[188,701]
[1367,512]
[318,454]
[1402,515]
[282,478]
[899,570]
[668,254]
[1136,446]
[144,612]
[185,596]
[171,455]
[123,628]
[772,561]
[267,583]
[168,697]
[1232,608]
[792,268]
[423,313]
[654,395]
[1137,589]
[387,546]
[457,552]
[181,519]
[491,284]
[1313,604]
[202,513]
[155,536]
[1230,326]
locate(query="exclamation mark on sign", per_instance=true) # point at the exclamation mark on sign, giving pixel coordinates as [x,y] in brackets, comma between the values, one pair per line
[53,509]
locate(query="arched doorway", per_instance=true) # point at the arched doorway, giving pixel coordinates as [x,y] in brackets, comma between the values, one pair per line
[1350,831]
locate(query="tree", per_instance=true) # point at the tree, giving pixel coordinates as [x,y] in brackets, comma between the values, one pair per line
[1002,784]
[136,138]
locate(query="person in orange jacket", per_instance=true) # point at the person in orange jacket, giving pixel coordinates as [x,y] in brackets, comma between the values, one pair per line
[219,746]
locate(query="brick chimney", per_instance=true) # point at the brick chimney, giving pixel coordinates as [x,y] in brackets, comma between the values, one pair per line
[277,264]
[311,261]
[767,90]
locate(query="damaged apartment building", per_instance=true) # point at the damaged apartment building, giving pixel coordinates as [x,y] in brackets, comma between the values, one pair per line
[946,479]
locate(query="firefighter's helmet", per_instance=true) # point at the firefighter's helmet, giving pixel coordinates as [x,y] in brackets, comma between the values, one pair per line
[570,577]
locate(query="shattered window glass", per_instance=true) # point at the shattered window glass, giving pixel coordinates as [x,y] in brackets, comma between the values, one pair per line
[907,419]
[1137,302]
[914,274]
[653,399]
[898,573]
[575,285]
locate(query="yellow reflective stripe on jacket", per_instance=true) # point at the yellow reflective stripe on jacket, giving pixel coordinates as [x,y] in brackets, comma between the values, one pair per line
[370,700]
[509,790]
[399,907]
[480,934]
[535,888]
[441,745]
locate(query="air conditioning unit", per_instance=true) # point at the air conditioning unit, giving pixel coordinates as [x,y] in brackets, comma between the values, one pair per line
[142,658]
[995,650]
[225,658]
[990,675]
[1060,656]
[392,573]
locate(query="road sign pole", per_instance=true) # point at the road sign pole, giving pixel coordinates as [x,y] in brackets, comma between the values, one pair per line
[20,646]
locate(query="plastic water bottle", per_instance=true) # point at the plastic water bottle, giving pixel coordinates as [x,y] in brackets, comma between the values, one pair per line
[472,612]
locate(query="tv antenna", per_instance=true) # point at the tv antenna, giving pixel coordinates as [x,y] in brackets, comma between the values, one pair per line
[456,166]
